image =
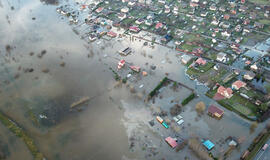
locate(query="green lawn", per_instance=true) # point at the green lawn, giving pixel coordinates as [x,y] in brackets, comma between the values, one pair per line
[242,105]
[219,76]
[202,69]
[260,2]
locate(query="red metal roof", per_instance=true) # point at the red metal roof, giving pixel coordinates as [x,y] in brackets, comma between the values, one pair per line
[171,142]
[214,109]
[238,84]
[201,61]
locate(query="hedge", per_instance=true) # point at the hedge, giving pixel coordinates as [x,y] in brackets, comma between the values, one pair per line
[154,91]
[188,99]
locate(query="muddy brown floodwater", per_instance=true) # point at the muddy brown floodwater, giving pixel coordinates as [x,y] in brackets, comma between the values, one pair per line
[40,100]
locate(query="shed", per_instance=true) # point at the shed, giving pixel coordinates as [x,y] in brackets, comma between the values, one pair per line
[208,145]
[215,111]
[172,142]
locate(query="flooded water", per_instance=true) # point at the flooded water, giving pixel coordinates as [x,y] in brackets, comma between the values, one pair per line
[45,67]
[36,91]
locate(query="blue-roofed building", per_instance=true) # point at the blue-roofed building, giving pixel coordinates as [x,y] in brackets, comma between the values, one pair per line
[208,144]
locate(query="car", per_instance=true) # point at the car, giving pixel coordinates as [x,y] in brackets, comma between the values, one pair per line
[179,117]
[175,119]
[177,43]
[265,147]
[181,121]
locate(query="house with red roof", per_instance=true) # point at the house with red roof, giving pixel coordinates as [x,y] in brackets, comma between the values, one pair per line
[172,142]
[159,25]
[238,84]
[200,61]
[214,111]
[111,34]
[100,9]
[226,92]
[226,16]
[134,29]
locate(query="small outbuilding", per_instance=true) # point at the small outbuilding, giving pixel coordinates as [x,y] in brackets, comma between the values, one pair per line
[208,145]
[172,142]
[216,112]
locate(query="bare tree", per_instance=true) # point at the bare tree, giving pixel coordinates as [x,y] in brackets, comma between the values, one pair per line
[200,107]
[253,126]
[195,145]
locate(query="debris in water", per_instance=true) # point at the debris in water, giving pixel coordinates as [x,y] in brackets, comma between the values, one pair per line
[28,70]
[33,18]
[43,52]
[62,64]
[31,53]
[46,70]
[8,48]
[81,101]
[52,2]
[17,75]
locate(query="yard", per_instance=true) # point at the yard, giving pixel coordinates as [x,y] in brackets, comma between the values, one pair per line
[200,69]
[241,105]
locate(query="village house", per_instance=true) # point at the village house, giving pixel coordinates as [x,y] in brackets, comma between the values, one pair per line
[100,9]
[158,25]
[175,10]
[226,16]
[148,22]
[213,8]
[122,16]
[111,34]
[222,8]
[185,58]
[225,34]
[134,29]
[254,67]
[215,112]
[204,14]
[131,3]
[139,21]
[192,4]
[258,25]
[162,1]
[226,92]
[125,10]
[221,57]
[238,28]
[200,61]
[238,84]
[249,75]
[215,22]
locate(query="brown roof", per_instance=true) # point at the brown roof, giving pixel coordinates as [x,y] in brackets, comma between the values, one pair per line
[213,109]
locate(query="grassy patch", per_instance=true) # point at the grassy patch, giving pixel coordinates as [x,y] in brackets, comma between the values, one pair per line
[260,2]
[21,134]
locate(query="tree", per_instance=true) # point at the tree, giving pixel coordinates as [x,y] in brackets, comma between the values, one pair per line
[264,106]
[253,126]
[200,107]
[268,126]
